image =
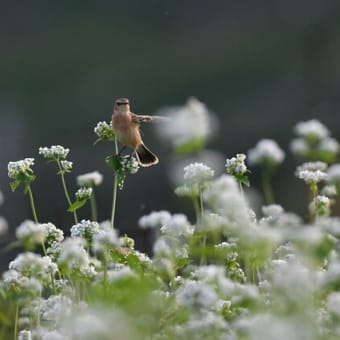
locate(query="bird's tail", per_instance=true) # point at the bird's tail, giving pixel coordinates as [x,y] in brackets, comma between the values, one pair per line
[145,157]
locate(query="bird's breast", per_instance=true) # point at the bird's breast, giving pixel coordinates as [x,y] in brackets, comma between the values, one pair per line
[125,130]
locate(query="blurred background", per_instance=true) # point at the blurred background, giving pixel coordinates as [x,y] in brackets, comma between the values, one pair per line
[259,66]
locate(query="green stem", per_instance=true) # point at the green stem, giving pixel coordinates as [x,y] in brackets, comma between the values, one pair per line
[267,188]
[30,195]
[241,189]
[93,207]
[203,260]
[65,190]
[16,321]
[114,198]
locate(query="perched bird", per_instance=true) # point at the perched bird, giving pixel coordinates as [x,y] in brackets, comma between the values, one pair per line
[125,125]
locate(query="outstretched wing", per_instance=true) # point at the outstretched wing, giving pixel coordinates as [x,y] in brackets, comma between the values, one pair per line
[146,119]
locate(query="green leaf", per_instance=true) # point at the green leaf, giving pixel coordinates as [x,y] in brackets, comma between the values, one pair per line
[14,185]
[182,263]
[76,205]
[244,180]
[113,162]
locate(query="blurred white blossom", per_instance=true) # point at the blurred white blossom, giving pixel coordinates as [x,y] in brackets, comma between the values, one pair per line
[90,179]
[266,151]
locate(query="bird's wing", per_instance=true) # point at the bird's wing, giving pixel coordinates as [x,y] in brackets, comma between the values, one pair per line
[146,119]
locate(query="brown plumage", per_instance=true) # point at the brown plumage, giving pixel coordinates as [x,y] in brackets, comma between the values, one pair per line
[125,125]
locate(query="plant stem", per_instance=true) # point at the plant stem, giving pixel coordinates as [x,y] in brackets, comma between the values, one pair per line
[93,207]
[267,188]
[65,190]
[114,198]
[16,321]
[30,195]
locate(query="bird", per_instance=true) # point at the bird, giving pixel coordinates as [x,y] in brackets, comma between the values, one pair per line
[125,125]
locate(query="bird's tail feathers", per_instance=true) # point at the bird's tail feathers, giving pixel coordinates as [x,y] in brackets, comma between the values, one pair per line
[145,157]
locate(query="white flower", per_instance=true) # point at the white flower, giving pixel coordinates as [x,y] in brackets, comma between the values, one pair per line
[90,179]
[224,197]
[25,335]
[299,146]
[53,234]
[333,173]
[74,256]
[20,167]
[55,151]
[197,173]
[178,225]
[311,129]
[85,229]
[330,145]
[196,295]
[66,166]
[313,166]
[311,176]
[333,303]
[266,151]
[104,240]
[190,123]
[272,210]
[155,219]
[104,131]
[329,190]
[12,279]
[34,265]
[170,247]
[236,165]
[29,231]
[84,193]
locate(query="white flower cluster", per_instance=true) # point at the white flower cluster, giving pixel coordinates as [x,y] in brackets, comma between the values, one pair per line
[266,151]
[197,173]
[104,240]
[236,165]
[312,172]
[155,219]
[104,130]
[84,193]
[90,179]
[20,167]
[333,173]
[30,232]
[189,124]
[85,229]
[66,166]
[178,225]
[314,141]
[54,152]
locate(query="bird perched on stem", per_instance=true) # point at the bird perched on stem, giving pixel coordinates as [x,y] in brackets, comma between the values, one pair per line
[125,125]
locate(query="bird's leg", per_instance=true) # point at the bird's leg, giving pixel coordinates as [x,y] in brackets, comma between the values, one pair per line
[121,150]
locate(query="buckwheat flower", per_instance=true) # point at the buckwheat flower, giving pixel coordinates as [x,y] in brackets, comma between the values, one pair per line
[299,146]
[329,145]
[266,151]
[54,152]
[104,131]
[178,225]
[25,335]
[73,255]
[180,133]
[311,176]
[329,191]
[85,229]
[311,129]
[34,265]
[212,222]
[155,219]
[197,173]
[171,248]
[330,225]
[30,233]
[104,240]
[333,303]
[272,210]
[22,167]
[120,274]
[314,166]
[320,205]
[52,233]
[66,166]
[90,179]
[3,226]
[84,193]
[235,166]
[333,174]
[197,296]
